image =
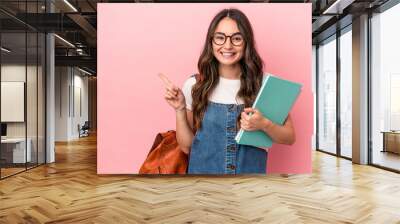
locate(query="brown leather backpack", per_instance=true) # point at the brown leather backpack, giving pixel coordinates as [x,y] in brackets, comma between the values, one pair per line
[165,156]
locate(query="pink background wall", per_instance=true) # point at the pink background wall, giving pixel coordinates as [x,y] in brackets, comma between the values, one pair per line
[137,41]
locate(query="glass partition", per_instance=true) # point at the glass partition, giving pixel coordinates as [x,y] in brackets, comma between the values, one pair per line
[22,77]
[14,153]
[385,89]
[327,95]
[346,93]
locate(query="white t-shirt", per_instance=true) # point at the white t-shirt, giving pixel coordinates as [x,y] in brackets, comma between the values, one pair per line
[225,92]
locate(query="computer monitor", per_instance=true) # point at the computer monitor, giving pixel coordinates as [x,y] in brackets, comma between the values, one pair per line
[3,129]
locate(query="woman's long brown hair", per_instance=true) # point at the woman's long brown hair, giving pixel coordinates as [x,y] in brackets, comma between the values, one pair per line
[251,67]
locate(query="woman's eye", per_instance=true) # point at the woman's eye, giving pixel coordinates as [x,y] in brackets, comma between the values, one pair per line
[237,38]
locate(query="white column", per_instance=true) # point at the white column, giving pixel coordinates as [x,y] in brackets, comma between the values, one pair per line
[360,90]
[50,92]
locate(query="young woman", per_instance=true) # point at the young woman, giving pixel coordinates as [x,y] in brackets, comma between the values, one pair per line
[210,111]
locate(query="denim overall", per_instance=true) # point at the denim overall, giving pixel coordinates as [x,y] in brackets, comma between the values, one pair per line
[214,149]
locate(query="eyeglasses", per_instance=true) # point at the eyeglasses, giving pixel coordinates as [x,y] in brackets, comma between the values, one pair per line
[220,39]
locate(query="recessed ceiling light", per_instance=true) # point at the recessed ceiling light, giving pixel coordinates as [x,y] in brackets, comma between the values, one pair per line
[5,50]
[338,6]
[64,40]
[70,5]
[84,71]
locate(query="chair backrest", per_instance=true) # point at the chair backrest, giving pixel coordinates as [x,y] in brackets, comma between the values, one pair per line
[86,124]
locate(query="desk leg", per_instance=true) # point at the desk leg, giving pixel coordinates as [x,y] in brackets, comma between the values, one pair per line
[384,142]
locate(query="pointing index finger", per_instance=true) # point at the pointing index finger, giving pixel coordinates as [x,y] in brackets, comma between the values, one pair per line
[166,81]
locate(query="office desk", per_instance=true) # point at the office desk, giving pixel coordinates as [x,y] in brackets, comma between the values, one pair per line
[391,141]
[13,150]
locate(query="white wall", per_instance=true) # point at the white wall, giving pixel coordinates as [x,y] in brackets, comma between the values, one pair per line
[62,81]
[12,101]
[12,73]
[71,93]
[80,84]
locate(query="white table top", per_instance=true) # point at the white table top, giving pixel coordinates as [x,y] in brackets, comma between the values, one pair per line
[13,140]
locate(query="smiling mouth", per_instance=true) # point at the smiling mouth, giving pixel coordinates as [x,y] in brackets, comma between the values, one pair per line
[228,55]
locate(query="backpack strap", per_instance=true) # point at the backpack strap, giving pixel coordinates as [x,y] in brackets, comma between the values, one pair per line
[196,76]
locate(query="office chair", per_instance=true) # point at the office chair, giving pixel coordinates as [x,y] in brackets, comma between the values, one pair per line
[84,130]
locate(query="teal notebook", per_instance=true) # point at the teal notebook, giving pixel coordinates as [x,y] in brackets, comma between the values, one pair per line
[274,100]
